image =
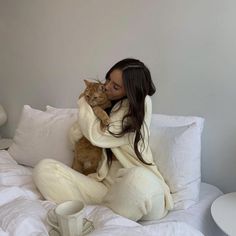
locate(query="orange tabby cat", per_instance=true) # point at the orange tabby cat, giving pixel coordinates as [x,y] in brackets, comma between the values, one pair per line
[86,155]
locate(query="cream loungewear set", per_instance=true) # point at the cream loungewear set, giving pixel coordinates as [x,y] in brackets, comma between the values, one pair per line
[129,187]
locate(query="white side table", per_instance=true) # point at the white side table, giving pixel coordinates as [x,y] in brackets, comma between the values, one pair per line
[223,211]
[5,143]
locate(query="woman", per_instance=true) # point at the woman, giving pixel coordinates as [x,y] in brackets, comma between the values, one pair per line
[127,179]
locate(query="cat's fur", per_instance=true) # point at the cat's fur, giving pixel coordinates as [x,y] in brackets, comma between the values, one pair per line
[86,155]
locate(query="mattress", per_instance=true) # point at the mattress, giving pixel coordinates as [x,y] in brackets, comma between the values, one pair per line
[23,211]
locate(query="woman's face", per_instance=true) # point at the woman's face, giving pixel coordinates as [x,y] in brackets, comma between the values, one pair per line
[114,85]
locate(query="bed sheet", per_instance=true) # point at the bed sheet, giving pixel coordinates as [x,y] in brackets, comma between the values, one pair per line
[23,210]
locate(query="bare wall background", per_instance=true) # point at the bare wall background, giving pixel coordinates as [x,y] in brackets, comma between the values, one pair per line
[47,48]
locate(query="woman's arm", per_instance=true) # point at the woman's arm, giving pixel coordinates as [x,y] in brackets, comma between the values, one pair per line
[90,127]
[90,124]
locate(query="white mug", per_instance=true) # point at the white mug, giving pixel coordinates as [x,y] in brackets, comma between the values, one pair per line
[70,219]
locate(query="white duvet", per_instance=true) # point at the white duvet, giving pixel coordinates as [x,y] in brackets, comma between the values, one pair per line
[23,210]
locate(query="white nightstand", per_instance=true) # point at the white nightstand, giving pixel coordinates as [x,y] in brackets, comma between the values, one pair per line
[223,211]
[5,143]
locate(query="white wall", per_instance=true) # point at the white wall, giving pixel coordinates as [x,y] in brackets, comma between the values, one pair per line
[47,47]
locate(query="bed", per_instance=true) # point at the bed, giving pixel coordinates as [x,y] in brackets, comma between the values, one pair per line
[176,145]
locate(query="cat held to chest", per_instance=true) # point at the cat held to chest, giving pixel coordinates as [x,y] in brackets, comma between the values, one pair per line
[86,155]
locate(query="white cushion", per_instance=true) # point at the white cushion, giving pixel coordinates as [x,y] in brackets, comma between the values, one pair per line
[41,135]
[61,111]
[176,145]
[74,132]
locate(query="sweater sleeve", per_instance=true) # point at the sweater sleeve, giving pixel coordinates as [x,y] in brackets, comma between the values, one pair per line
[90,127]
[90,124]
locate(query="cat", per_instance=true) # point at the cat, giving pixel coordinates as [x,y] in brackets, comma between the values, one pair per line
[86,155]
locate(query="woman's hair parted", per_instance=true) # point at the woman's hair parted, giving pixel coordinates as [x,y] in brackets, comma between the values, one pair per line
[138,84]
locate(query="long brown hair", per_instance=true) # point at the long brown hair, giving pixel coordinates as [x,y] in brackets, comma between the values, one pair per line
[138,84]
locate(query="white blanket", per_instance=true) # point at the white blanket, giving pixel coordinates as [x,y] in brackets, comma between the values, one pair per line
[23,210]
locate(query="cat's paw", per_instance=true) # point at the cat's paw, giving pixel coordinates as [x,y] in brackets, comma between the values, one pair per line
[103,127]
[106,121]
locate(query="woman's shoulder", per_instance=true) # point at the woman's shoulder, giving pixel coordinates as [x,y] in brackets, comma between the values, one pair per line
[148,100]
[125,102]
[148,104]
[148,110]
[123,105]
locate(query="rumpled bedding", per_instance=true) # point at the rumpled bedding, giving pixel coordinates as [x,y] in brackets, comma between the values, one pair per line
[23,210]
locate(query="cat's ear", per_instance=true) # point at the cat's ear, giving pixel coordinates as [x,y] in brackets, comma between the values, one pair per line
[86,82]
[102,88]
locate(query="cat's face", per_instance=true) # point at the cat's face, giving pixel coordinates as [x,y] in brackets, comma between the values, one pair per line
[95,93]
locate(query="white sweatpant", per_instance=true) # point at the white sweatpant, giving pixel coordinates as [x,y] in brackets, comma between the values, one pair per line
[135,193]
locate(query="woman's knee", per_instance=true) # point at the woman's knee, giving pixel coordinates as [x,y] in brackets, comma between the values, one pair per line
[144,179]
[136,192]
[54,181]
[48,166]
[44,166]
[48,172]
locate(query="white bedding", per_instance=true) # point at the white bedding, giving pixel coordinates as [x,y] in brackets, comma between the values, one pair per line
[23,211]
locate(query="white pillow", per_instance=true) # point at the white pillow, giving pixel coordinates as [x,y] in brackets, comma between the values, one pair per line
[41,135]
[176,145]
[74,132]
[61,111]
[176,121]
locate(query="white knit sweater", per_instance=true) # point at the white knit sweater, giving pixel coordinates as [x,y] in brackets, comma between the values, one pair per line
[122,147]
